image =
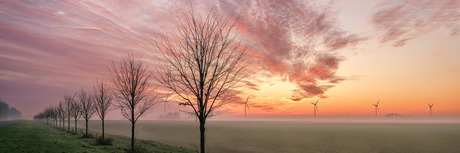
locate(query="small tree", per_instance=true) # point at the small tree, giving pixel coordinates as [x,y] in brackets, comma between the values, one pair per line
[75,111]
[203,64]
[61,114]
[68,108]
[130,79]
[47,115]
[54,115]
[103,98]
[87,107]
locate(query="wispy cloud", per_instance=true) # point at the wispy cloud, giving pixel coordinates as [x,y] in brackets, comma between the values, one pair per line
[295,40]
[402,20]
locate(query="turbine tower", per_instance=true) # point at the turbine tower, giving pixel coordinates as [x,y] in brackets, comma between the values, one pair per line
[430,108]
[246,106]
[166,103]
[315,109]
[376,108]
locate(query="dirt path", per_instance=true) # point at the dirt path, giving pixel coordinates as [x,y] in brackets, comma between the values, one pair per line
[5,123]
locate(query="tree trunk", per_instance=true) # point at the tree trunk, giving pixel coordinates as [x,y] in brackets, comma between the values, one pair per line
[103,129]
[76,126]
[202,136]
[132,125]
[68,124]
[132,136]
[86,127]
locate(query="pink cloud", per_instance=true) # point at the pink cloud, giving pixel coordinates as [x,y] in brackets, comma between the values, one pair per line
[295,40]
[402,20]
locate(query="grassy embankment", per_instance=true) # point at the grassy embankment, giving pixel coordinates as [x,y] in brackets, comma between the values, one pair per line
[31,136]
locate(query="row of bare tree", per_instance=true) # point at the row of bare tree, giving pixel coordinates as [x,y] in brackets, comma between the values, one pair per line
[82,104]
[202,63]
[130,88]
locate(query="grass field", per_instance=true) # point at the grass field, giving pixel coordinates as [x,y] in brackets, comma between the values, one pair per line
[243,136]
[299,136]
[31,136]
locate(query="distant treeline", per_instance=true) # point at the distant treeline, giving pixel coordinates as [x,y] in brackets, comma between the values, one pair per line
[7,112]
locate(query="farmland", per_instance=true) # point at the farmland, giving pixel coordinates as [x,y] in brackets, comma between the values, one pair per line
[298,136]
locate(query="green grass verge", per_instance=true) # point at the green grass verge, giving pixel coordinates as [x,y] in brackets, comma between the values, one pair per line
[31,136]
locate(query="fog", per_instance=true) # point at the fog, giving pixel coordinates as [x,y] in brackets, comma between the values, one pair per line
[291,134]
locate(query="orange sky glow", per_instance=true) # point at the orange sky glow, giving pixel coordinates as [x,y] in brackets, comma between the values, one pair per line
[346,54]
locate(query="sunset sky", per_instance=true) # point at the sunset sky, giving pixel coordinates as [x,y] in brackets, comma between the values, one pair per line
[348,53]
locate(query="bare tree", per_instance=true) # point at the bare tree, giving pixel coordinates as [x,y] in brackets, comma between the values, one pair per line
[68,108]
[54,114]
[47,115]
[75,111]
[203,64]
[135,96]
[103,97]
[61,114]
[87,106]
[40,116]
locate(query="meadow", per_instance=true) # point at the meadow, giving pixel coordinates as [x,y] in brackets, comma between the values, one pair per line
[31,136]
[298,136]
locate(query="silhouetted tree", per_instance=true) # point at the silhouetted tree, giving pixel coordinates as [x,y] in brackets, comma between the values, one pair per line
[48,114]
[130,79]
[203,64]
[14,113]
[40,116]
[53,112]
[4,108]
[68,108]
[75,112]
[87,107]
[103,97]
[61,114]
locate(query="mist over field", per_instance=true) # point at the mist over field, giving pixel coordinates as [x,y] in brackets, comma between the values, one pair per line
[295,135]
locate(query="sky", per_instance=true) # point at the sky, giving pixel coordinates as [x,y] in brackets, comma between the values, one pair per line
[348,54]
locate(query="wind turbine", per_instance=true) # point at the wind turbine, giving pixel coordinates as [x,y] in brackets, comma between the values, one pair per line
[430,108]
[246,106]
[315,109]
[376,108]
[166,102]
